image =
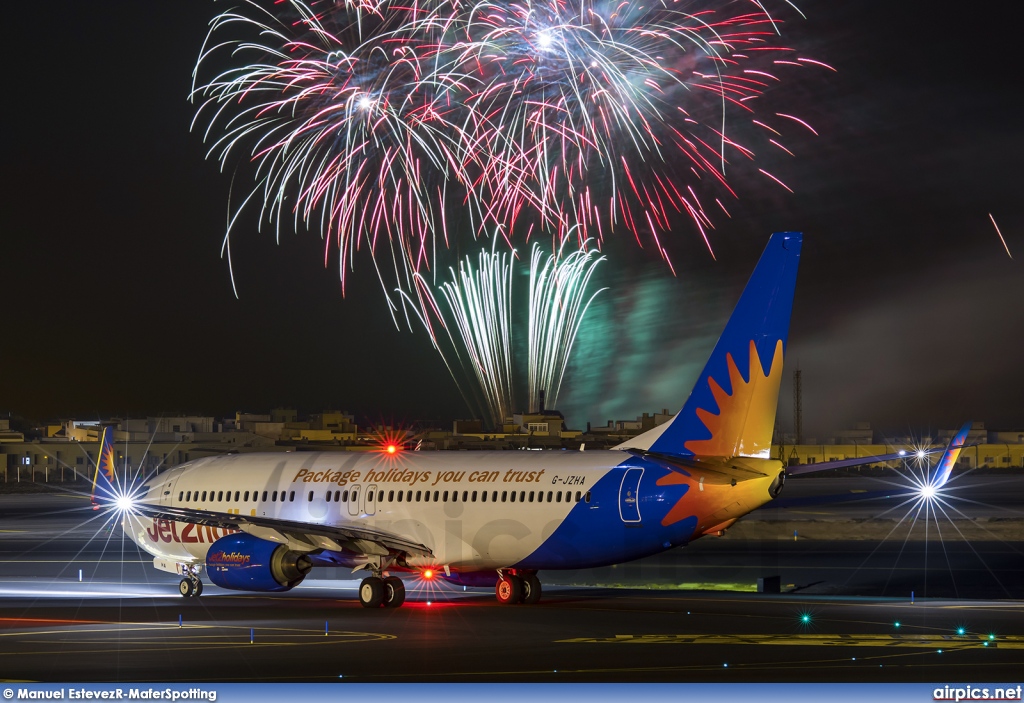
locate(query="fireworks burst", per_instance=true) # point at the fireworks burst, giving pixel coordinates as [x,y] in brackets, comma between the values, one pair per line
[376,122]
[558,304]
[474,328]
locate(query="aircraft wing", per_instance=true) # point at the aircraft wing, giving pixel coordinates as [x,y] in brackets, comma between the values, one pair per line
[845,463]
[943,467]
[354,537]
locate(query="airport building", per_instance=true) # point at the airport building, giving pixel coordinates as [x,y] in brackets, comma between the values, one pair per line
[66,451]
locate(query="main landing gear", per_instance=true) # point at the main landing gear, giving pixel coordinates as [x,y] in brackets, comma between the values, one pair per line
[190,586]
[381,589]
[375,592]
[517,587]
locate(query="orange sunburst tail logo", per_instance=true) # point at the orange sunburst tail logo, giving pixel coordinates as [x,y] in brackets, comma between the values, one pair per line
[103,481]
[745,417]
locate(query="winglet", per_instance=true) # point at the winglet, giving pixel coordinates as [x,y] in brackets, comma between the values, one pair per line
[103,481]
[949,457]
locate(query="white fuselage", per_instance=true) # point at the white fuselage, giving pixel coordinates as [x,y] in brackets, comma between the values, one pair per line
[472,510]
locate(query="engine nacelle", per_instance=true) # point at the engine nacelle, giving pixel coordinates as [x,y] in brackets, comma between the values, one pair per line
[242,562]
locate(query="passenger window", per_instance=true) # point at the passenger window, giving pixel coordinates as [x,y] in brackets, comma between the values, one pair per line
[204,496]
[246,498]
[494,496]
[408,496]
[342,495]
[504,495]
[549,496]
[522,496]
[310,496]
[483,497]
[586,496]
[328,496]
[474,496]
[445,496]
[188,496]
[568,496]
[291,496]
[578,496]
[264,496]
[181,496]
[418,496]
[391,496]
[220,496]
[513,497]
[558,497]
[401,494]
[380,496]
[426,496]
[465,496]
[274,499]
[355,496]
[236,496]
[531,496]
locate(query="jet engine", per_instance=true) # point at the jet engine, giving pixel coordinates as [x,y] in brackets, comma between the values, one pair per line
[242,562]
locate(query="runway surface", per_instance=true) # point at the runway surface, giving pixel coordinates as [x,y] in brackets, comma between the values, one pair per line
[667,619]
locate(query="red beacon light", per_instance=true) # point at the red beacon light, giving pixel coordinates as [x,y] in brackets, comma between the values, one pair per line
[391,449]
[428,575]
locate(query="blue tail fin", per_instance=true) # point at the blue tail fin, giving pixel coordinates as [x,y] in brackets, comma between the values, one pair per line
[103,491]
[731,409]
[949,457]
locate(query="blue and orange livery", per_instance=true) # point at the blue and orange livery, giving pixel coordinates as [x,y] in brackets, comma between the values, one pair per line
[945,464]
[103,482]
[731,409]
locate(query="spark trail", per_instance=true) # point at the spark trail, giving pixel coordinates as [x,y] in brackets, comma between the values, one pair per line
[475,333]
[392,127]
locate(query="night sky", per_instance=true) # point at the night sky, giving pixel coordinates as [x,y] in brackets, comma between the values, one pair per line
[908,314]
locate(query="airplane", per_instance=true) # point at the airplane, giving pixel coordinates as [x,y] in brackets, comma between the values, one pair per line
[262,521]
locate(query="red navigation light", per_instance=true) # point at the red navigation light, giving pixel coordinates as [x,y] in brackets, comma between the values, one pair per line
[391,449]
[428,574]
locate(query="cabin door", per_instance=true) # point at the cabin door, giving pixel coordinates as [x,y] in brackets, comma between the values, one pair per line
[629,507]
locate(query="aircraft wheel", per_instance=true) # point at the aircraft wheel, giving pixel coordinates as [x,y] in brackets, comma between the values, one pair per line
[509,589]
[198,588]
[186,588]
[394,592]
[531,590]
[371,592]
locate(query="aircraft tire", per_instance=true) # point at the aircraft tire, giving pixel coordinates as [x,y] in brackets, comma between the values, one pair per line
[531,590]
[394,592]
[186,588]
[508,590]
[198,588]
[371,592]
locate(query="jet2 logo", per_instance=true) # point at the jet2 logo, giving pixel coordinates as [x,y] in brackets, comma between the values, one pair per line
[167,531]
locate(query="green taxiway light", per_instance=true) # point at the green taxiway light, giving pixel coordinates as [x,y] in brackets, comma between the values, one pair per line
[896,624]
[960,631]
